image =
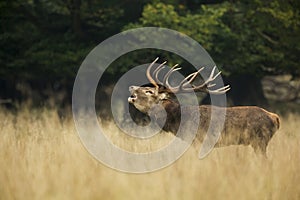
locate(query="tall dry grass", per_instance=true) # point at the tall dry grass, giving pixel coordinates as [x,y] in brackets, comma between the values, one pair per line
[41,157]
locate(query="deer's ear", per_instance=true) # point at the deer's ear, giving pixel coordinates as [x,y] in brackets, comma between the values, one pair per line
[163,96]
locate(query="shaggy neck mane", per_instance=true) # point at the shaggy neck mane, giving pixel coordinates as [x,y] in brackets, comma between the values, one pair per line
[172,109]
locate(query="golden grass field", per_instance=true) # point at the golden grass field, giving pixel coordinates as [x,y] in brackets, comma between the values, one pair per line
[41,157]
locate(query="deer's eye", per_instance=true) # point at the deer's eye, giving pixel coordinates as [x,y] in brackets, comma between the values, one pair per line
[149,92]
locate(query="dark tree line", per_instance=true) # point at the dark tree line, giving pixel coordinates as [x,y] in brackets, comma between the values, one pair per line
[44,42]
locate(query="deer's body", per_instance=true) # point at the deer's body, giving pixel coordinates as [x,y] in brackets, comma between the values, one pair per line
[244,125]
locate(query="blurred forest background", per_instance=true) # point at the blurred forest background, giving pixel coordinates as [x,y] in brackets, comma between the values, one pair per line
[256,44]
[43,43]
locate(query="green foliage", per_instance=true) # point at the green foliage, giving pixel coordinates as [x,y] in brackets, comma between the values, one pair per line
[50,39]
[43,38]
[254,37]
[265,40]
[201,27]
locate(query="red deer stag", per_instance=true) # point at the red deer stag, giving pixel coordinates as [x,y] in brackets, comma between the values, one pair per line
[244,125]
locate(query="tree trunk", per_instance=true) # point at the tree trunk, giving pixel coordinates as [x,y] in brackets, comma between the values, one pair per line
[76,20]
[246,90]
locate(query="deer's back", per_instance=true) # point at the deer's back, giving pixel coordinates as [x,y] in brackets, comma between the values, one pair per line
[242,124]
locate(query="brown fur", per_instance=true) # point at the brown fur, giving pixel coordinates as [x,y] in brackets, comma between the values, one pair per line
[244,125]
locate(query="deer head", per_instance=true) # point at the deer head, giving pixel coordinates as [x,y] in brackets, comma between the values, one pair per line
[144,98]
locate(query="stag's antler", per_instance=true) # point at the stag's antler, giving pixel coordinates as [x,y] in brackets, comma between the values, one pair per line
[186,84]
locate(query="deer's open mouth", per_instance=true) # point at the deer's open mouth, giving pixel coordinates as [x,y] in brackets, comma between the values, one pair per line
[132,98]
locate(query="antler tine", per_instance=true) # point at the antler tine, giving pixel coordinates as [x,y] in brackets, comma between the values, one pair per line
[157,70]
[211,85]
[211,76]
[210,79]
[148,74]
[182,87]
[193,75]
[221,90]
[168,84]
[204,87]
[160,67]
[166,77]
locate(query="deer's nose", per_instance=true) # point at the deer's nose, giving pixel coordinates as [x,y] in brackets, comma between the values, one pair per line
[132,88]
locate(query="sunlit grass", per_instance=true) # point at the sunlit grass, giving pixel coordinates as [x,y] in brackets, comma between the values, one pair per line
[41,157]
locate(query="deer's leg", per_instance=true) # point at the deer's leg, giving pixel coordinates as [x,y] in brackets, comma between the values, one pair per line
[260,146]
